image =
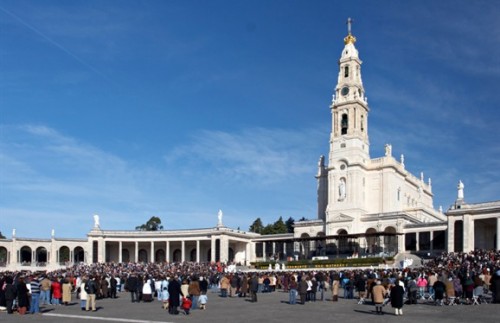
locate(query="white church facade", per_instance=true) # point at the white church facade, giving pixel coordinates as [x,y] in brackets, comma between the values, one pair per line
[366,206]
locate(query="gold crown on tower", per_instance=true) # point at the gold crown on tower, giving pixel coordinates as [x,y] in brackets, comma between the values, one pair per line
[349,39]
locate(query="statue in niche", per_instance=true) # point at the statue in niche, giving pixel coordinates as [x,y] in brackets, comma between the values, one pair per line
[342,192]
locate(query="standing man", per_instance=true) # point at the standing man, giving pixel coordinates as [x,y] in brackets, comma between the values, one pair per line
[302,289]
[174,290]
[113,283]
[45,286]
[35,295]
[254,287]
[133,287]
[91,289]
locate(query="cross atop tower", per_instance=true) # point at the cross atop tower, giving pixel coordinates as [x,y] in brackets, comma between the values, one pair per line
[349,39]
[349,24]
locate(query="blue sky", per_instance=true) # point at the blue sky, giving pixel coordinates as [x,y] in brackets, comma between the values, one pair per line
[176,109]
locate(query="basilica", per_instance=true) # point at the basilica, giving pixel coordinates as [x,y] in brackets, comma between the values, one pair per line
[365,207]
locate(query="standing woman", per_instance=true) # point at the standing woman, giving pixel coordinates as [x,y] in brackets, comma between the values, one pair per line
[244,286]
[83,294]
[56,292]
[22,296]
[147,292]
[66,292]
[335,288]
[292,294]
[397,294]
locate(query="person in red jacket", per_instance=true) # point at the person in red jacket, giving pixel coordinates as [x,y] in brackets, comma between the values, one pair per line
[56,292]
[186,305]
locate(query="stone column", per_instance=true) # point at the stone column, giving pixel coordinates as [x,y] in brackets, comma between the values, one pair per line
[102,250]
[468,233]
[53,252]
[417,237]
[167,251]
[212,249]
[183,251]
[152,257]
[431,242]
[451,234]
[498,234]
[264,250]
[401,243]
[224,249]
[248,251]
[197,250]
[136,252]
[120,247]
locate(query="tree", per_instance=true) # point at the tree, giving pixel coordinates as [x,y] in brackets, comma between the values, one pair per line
[153,224]
[289,224]
[280,226]
[1,235]
[268,229]
[275,228]
[256,226]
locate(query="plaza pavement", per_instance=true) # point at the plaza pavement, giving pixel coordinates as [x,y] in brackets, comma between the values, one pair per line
[271,307]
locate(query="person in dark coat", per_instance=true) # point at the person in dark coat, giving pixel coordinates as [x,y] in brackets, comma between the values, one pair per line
[439,289]
[397,295]
[10,294]
[174,290]
[113,283]
[495,287]
[302,290]
[132,286]
[254,287]
[203,285]
[22,296]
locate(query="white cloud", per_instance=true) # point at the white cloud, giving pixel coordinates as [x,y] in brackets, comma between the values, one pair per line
[251,155]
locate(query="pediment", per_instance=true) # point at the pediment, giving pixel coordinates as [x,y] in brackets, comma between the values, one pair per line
[341,218]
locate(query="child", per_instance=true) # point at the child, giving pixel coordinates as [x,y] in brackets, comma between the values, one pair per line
[164,297]
[203,300]
[186,305]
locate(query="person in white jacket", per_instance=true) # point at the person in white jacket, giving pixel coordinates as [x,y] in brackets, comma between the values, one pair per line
[83,294]
[147,292]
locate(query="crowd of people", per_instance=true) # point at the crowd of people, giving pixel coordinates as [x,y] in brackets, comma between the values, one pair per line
[450,278]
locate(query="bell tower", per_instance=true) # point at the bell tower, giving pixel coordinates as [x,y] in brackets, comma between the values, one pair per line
[349,145]
[349,107]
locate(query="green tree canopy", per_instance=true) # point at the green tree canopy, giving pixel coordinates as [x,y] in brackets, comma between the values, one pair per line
[153,224]
[289,224]
[256,226]
[275,228]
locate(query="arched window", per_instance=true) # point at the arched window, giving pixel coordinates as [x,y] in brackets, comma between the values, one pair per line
[143,255]
[346,71]
[344,124]
[362,123]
